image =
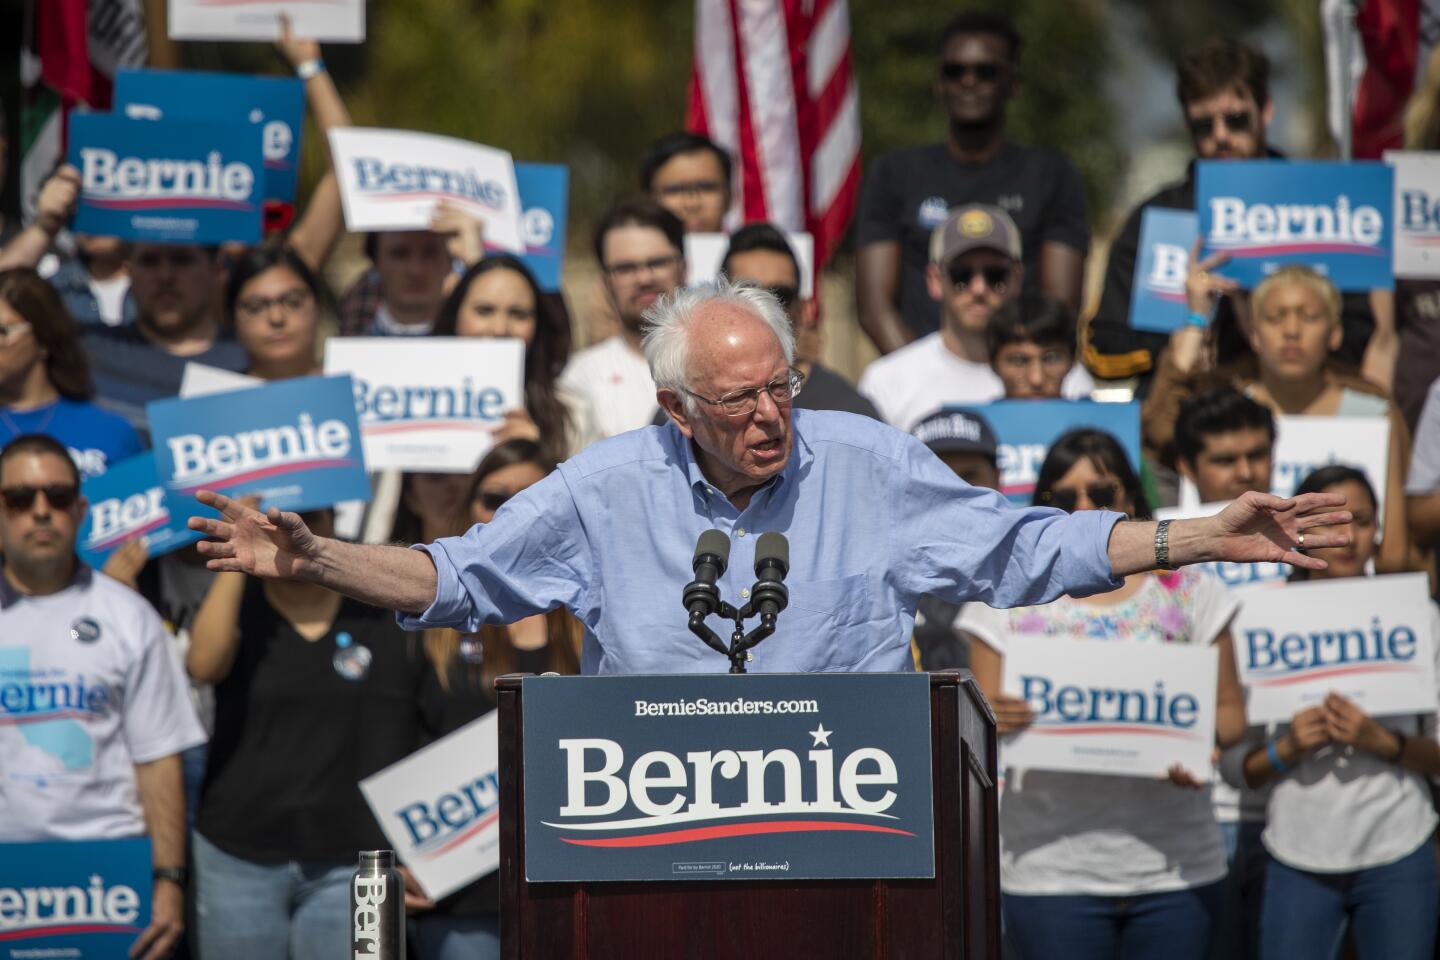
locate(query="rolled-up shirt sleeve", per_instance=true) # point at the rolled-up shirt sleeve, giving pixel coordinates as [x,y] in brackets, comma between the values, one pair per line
[531,558]
[965,543]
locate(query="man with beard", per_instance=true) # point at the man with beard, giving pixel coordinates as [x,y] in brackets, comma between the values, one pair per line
[639,245]
[911,192]
[176,290]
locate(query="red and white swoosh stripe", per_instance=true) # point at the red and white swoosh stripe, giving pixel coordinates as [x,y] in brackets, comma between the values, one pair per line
[773,84]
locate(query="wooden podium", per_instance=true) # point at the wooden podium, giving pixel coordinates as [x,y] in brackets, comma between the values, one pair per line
[954,915]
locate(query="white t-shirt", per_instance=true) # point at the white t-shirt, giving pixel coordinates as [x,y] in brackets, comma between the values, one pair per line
[921,377]
[1424,476]
[89,687]
[612,382]
[1342,809]
[110,298]
[1100,834]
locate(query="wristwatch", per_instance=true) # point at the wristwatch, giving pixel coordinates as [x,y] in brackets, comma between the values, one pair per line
[310,68]
[176,875]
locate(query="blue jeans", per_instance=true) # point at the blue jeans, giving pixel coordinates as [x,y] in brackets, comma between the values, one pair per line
[456,938]
[1153,926]
[1389,909]
[248,910]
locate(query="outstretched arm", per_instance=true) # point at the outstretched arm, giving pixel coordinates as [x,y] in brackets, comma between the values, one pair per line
[277,544]
[1257,528]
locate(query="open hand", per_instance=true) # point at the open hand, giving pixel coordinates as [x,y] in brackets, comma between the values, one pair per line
[272,544]
[1260,528]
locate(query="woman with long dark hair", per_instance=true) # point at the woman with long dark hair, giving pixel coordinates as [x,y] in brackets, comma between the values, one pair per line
[498,297]
[1350,818]
[45,384]
[1109,866]
[466,924]
[275,302]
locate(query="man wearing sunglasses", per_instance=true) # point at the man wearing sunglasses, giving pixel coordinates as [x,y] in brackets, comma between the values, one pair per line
[874,521]
[1224,93]
[909,192]
[96,708]
[976,268]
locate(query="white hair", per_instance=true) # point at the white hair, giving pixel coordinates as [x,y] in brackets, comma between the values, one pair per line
[669,321]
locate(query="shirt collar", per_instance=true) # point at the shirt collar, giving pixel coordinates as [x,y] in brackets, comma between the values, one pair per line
[80,576]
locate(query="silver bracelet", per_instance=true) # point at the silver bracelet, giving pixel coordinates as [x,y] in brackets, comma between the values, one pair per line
[310,68]
[1162,546]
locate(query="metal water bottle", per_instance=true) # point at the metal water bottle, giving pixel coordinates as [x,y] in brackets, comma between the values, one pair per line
[377,908]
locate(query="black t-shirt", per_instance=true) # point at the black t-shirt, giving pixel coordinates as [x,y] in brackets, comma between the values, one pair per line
[910,192]
[298,725]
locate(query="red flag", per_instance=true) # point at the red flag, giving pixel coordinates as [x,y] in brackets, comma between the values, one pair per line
[772,83]
[1391,42]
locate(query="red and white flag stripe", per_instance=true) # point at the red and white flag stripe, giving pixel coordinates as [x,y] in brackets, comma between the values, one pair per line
[772,83]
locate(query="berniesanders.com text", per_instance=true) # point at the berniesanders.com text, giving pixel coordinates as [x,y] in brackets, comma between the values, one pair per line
[739,706]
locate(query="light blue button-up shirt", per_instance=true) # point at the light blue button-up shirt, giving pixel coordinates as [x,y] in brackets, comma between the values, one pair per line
[874,521]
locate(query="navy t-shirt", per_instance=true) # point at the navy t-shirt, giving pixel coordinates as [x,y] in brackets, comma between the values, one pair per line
[96,438]
[910,192]
[130,371]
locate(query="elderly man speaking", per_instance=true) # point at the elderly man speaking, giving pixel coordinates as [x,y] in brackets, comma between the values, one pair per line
[874,521]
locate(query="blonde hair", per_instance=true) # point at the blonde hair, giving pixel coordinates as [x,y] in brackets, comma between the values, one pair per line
[1422,113]
[1297,274]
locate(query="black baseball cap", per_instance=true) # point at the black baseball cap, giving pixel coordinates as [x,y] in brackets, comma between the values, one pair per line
[956,431]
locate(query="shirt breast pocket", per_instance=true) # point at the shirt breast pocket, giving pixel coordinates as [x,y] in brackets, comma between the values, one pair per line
[829,623]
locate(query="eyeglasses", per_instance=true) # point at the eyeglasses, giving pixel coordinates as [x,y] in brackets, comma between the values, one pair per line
[60,496]
[1101,496]
[996,278]
[11,332]
[982,72]
[492,500]
[1236,121]
[742,403]
[691,188]
[628,269]
[291,301]
[1023,361]
[785,294]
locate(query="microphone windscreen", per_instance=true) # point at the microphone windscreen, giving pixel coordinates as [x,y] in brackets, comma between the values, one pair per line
[714,542]
[772,548]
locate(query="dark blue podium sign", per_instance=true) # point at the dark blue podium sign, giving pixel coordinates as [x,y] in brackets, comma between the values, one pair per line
[719,777]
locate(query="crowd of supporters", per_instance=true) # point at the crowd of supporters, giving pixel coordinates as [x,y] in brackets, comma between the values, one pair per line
[970,258]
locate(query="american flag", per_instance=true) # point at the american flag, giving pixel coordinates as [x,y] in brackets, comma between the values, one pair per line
[772,83]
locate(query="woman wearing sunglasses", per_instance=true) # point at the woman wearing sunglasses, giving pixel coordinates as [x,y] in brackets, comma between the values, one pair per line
[45,384]
[466,924]
[1110,866]
[1350,817]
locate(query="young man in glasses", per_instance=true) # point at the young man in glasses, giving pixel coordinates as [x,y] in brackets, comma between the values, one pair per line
[1224,92]
[689,175]
[640,248]
[909,192]
[96,709]
[1031,341]
[975,268]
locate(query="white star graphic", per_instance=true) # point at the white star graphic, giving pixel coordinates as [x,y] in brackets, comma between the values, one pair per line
[821,735]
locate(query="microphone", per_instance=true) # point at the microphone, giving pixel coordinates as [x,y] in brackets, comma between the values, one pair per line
[772,561]
[712,555]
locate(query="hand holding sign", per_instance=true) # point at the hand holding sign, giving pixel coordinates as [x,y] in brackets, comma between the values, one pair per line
[1011,713]
[295,50]
[1202,287]
[167,923]
[58,197]
[272,544]
[464,234]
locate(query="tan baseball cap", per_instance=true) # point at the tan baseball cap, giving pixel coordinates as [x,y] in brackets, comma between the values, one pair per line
[975,226]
